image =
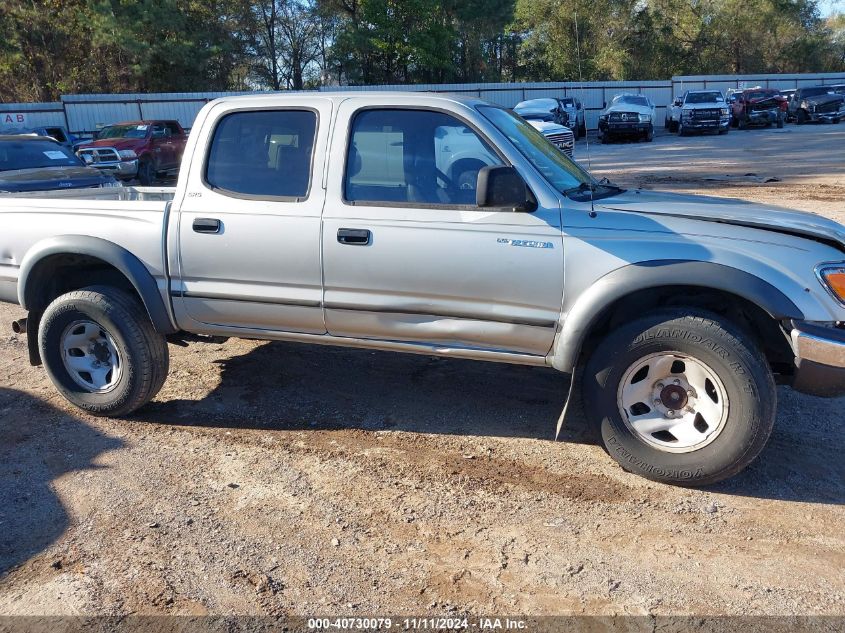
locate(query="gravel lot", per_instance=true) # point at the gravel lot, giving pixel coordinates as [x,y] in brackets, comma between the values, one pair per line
[284,479]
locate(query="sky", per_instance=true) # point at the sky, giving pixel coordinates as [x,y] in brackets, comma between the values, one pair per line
[829,7]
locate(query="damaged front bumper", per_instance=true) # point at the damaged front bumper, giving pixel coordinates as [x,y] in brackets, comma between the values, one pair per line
[819,359]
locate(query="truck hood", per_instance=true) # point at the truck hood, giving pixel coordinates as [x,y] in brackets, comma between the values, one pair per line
[628,107]
[117,143]
[729,211]
[820,99]
[705,106]
[47,178]
[548,127]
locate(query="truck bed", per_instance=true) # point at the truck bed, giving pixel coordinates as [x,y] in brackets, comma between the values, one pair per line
[108,193]
[129,217]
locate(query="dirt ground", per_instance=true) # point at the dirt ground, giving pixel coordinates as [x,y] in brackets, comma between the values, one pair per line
[285,479]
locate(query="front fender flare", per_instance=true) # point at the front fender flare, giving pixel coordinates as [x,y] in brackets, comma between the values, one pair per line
[128,264]
[592,304]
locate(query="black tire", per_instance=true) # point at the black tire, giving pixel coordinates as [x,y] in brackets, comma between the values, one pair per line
[583,130]
[146,173]
[736,362]
[682,131]
[673,126]
[649,135]
[780,122]
[801,117]
[143,353]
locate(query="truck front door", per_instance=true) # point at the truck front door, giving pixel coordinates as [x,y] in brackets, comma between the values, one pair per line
[249,224]
[407,254]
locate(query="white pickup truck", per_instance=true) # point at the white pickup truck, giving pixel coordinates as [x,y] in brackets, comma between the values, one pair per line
[348,219]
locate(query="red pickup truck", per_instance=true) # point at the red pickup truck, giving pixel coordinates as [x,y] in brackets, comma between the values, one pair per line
[758,106]
[137,149]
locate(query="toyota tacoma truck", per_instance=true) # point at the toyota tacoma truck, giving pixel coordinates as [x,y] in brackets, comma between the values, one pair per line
[137,149]
[334,219]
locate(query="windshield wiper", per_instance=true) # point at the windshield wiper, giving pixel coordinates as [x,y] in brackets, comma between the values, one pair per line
[601,187]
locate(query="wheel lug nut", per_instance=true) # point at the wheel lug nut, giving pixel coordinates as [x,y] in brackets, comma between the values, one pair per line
[660,385]
[670,413]
[657,403]
[690,393]
[677,382]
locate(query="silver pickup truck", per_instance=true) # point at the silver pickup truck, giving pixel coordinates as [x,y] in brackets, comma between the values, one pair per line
[347,219]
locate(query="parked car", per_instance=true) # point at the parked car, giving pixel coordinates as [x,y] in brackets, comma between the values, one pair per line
[628,115]
[820,104]
[758,106]
[36,163]
[566,111]
[680,309]
[699,111]
[545,121]
[137,149]
[57,133]
[558,135]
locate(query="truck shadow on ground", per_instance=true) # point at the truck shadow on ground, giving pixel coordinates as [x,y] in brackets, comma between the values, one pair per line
[288,386]
[38,444]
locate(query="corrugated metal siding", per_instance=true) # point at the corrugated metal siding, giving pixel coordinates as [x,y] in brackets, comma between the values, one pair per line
[37,114]
[89,112]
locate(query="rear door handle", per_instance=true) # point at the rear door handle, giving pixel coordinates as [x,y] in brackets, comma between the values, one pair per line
[207,225]
[354,237]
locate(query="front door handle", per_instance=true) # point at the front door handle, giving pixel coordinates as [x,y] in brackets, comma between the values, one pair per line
[354,237]
[207,225]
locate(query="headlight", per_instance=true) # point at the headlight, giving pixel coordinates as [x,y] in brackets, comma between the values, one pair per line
[602,117]
[645,118]
[832,277]
[128,154]
[725,111]
[686,114]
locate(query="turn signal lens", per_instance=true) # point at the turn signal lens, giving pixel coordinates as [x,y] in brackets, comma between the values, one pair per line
[834,278]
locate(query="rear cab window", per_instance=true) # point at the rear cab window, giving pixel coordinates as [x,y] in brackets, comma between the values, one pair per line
[263,154]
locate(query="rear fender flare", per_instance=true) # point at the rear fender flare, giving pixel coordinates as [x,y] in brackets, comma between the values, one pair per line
[128,264]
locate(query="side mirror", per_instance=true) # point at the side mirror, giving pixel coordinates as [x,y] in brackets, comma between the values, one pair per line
[501,186]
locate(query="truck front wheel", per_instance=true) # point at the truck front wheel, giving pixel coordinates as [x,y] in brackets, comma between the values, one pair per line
[101,350]
[146,173]
[682,397]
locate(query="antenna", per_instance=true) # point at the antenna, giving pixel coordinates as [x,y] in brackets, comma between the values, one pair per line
[581,81]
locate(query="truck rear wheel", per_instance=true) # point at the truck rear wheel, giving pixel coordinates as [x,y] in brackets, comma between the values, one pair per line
[101,351]
[682,397]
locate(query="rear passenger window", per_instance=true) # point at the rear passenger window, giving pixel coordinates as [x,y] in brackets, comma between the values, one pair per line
[263,153]
[414,157]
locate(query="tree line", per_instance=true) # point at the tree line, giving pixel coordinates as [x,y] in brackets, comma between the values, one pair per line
[54,47]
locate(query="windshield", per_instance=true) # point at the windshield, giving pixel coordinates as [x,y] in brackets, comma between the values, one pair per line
[760,94]
[537,104]
[632,99]
[124,131]
[704,97]
[815,92]
[31,154]
[560,171]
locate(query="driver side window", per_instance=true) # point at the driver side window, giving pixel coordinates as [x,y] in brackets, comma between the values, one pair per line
[414,157]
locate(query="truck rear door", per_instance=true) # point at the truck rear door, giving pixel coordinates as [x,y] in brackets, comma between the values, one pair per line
[249,224]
